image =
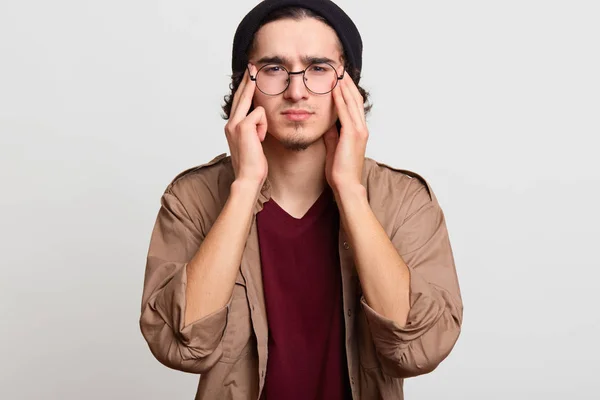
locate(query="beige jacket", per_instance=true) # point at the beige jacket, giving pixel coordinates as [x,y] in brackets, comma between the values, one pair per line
[229,347]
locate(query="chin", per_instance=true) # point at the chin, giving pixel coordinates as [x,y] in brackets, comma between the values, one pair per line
[297,137]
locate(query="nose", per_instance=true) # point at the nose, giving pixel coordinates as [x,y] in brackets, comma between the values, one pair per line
[296,89]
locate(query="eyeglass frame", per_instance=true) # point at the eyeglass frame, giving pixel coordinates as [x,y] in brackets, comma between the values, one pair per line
[303,72]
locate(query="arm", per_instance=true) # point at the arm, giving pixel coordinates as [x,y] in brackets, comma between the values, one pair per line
[209,288]
[383,274]
[411,295]
[190,278]
[190,274]
[413,302]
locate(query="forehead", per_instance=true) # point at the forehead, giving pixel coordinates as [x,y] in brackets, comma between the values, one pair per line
[293,39]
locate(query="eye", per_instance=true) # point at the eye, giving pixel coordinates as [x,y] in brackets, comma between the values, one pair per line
[273,69]
[319,69]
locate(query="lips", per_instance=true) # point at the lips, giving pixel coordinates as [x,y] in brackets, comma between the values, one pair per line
[297,115]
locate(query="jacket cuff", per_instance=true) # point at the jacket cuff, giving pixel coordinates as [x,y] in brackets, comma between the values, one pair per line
[426,307]
[202,336]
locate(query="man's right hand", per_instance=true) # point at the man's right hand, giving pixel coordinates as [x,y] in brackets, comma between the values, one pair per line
[245,132]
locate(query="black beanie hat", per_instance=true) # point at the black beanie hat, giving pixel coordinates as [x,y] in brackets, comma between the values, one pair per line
[335,16]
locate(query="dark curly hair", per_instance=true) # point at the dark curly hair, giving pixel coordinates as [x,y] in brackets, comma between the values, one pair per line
[295,13]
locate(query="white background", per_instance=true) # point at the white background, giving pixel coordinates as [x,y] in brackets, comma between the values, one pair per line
[102,103]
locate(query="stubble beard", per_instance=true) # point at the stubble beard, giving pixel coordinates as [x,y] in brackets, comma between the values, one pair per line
[297,142]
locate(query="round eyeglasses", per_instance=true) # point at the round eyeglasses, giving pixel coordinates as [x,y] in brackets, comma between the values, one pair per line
[274,79]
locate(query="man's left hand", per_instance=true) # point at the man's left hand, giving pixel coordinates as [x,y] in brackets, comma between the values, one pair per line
[346,152]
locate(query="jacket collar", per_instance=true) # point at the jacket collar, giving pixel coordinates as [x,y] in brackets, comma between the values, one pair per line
[265,191]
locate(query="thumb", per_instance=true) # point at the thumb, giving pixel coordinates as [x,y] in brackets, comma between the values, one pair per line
[331,139]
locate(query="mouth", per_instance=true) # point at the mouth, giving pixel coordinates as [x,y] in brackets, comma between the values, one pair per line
[297,115]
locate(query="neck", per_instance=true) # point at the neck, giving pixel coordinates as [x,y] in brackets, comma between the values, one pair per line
[296,178]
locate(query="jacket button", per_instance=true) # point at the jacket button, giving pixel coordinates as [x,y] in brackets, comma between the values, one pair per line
[349,312]
[346,245]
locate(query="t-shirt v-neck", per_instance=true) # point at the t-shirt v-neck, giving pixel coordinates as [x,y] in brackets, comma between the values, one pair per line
[296,225]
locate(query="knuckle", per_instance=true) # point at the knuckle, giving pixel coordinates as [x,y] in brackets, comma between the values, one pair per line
[239,128]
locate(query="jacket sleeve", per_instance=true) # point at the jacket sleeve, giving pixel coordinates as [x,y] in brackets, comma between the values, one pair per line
[435,316]
[175,239]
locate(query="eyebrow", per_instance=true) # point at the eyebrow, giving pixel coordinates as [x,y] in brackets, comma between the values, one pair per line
[284,60]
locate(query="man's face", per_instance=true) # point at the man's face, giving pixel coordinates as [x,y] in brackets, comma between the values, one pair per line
[292,44]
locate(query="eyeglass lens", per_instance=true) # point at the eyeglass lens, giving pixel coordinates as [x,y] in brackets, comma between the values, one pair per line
[318,78]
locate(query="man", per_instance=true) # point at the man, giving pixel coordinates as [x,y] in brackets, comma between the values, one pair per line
[297,268]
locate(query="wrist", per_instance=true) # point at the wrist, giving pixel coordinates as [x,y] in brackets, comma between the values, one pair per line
[245,188]
[351,192]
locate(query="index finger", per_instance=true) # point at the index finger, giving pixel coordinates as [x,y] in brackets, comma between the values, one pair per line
[341,106]
[245,92]
[238,91]
[353,99]
[355,93]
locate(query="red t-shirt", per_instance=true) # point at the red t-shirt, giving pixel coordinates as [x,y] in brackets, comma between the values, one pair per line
[303,295]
